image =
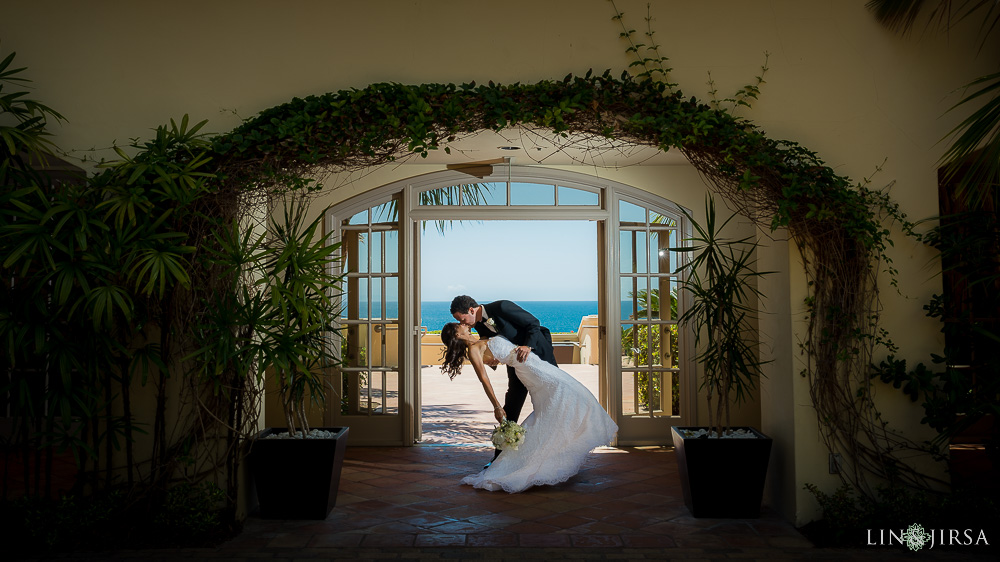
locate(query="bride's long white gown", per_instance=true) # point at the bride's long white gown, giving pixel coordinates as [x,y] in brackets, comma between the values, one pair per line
[566,423]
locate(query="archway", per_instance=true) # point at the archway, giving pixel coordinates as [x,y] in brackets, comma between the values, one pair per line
[836,224]
[646,365]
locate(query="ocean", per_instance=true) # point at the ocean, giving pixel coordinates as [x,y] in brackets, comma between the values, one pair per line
[557,316]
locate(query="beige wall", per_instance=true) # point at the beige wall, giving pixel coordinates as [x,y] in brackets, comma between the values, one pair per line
[838,84]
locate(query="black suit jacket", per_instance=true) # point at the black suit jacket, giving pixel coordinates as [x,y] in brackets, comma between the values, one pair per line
[518,326]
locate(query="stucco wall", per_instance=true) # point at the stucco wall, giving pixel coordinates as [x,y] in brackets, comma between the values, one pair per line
[838,83]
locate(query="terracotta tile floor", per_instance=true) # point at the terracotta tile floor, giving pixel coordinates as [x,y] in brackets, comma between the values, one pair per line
[405,503]
[410,497]
[626,504]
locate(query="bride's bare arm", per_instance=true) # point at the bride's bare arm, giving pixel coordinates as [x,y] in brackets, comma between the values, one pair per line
[476,358]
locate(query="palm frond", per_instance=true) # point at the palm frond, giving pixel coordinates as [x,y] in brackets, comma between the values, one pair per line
[973,159]
[900,16]
[896,15]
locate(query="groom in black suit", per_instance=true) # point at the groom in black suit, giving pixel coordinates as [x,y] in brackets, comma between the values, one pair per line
[504,318]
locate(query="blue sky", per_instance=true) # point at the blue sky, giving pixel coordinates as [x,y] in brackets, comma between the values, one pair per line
[515,260]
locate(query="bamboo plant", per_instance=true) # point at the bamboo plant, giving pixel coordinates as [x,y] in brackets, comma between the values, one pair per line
[286,307]
[721,279]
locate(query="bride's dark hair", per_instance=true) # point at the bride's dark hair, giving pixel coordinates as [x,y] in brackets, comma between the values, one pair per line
[455,350]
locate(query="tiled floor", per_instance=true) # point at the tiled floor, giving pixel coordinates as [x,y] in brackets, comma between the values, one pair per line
[411,497]
[626,503]
[406,504]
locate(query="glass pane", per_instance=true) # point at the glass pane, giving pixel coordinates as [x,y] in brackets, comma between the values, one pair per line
[376,297]
[668,345]
[360,263]
[664,288]
[635,298]
[648,392]
[571,196]
[360,218]
[631,345]
[632,248]
[367,403]
[347,289]
[491,193]
[386,212]
[376,351]
[656,218]
[636,341]
[377,250]
[352,346]
[626,251]
[632,214]
[385,345]
[350,250]
[642,393]
[391,285]
[653,352]
[363,303]
[440,196]
[381,389]
[391,245]
[661,259]
[628,393]
[354,393]
[532,194]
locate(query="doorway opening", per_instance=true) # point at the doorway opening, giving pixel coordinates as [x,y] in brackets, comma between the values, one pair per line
[548,267]
[645,362]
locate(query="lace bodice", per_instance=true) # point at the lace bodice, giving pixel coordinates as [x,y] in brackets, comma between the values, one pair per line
[503,350]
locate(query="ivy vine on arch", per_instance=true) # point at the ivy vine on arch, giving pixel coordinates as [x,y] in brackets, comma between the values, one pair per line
[838,226]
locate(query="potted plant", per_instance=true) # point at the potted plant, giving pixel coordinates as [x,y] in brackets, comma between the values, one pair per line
[720,279]
[286,311]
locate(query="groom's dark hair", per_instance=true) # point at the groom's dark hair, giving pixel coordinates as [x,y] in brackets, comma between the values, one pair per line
[462,303]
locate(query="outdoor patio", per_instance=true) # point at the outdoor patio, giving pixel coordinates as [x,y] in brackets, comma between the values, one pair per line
[458,412]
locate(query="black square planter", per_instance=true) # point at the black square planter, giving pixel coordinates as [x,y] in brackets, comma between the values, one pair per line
[297,478]
[722,478]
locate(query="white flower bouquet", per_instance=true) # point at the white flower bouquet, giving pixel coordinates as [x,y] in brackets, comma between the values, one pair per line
[508,435]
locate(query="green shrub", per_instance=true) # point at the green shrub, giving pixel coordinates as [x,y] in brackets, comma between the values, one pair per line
[191,512]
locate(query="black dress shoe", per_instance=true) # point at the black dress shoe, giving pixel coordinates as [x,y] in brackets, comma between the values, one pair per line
[496,453]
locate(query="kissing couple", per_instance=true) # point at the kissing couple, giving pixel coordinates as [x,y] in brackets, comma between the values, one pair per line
[567,421]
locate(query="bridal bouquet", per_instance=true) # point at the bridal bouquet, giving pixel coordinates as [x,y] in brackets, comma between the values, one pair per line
[508,435]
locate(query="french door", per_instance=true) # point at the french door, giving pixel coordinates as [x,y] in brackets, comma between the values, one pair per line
[369,388]
[646,366]
[655,380]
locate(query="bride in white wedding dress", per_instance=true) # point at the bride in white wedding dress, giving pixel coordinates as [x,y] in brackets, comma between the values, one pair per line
[566,423]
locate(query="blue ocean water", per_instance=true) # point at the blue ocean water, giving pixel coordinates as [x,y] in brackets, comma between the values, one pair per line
[557,316]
